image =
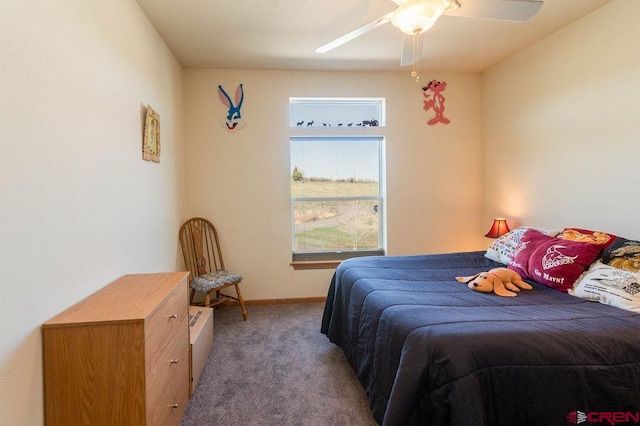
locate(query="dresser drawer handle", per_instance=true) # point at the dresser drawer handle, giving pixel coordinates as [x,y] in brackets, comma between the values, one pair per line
[173,316]
[174,405]
[174,361]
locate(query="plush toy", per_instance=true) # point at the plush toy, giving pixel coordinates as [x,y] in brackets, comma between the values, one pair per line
[501,281]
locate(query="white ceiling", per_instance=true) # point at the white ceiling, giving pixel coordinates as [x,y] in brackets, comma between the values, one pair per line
[283,34]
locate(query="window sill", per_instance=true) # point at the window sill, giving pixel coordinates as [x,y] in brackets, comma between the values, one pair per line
[315,264]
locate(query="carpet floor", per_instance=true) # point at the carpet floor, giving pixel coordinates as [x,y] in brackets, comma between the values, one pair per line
[276,369]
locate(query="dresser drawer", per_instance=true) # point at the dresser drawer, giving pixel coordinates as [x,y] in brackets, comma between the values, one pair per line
[168,377]
[180,395]
[170,409]
[163,323]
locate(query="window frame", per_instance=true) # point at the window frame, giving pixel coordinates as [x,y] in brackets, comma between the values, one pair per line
[301,129]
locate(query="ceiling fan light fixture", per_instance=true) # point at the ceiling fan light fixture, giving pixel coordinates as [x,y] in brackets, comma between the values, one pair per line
[417,16]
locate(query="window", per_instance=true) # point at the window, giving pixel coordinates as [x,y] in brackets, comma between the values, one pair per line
[336,112]
[337,204]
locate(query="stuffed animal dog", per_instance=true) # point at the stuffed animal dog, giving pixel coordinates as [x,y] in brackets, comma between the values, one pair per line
[501,281]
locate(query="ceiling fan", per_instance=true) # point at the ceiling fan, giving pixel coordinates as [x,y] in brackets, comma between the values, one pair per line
[414,17]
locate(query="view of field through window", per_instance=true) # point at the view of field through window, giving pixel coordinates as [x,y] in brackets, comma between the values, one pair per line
[335,193]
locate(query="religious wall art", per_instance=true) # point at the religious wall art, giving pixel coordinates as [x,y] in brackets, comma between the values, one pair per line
[151,136]
[233,121]
[434,100]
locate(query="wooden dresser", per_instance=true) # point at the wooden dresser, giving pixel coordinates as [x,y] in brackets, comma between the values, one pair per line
[120,356]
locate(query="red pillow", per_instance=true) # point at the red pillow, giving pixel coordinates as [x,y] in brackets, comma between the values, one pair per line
[551,261]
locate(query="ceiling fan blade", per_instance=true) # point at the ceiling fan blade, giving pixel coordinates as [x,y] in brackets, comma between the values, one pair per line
[355,33]
[502,10]
[410,55]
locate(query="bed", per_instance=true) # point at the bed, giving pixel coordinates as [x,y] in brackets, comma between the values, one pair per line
[428,350]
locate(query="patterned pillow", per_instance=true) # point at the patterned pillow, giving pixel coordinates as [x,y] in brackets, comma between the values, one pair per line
[623,253]
[502,249]
[611,286]
[551,261]
[586,236]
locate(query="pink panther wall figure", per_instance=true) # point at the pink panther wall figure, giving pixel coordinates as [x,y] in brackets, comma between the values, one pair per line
[434,99]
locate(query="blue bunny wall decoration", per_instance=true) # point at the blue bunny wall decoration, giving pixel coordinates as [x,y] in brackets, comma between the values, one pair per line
[234,117]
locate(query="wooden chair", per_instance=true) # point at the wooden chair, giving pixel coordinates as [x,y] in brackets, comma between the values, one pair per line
[203,258]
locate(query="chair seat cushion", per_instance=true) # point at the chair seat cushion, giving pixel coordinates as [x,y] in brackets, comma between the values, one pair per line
[207,282]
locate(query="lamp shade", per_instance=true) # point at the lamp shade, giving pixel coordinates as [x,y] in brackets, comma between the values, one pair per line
[498,228]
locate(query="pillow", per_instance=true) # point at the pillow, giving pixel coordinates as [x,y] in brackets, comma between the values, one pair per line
[610,286]
[502,248]
[586,236]
[551,261]
[624,254]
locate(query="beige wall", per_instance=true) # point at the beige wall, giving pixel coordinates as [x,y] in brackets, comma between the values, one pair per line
[78,205]
[561,127]
[241,180]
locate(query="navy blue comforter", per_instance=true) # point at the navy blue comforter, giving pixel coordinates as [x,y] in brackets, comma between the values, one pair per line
[428,350]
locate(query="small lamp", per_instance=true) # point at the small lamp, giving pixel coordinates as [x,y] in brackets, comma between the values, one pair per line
[498,228]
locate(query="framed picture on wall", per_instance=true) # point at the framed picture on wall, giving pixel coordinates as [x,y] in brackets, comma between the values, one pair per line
[151,138]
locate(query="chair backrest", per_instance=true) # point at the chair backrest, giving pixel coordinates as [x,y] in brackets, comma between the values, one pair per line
[200,247]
